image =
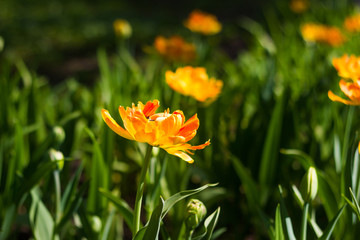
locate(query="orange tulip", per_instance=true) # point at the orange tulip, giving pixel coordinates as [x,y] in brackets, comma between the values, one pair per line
[175,49]
[194,82]
[321,33]
[351,90]
[202,22]
[165,130]
[348,67]
[352,24]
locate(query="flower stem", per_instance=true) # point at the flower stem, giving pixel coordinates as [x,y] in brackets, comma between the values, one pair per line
[304,221]
[140,190]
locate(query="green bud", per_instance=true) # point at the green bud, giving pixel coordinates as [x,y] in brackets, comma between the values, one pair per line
[58,157]
[309,185]
[196,212]
[59,135]
[96,224]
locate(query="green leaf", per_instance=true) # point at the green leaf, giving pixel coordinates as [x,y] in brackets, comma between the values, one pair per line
[121,206]
[354,205]
[106,230]
[73,206]
[208,227]
[99,177]
[71,188]
[41,221]
[153,226]
[286,219]
[305,160]
[327,196]
[250,187]
[33,177]
[7,221]
[271,149]
[169,203]
[279,234]
[330,228]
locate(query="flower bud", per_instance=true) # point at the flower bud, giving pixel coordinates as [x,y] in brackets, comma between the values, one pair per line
[309,185]
[59,135]
[196,212]
[58,157]
[122,28]
[96,224]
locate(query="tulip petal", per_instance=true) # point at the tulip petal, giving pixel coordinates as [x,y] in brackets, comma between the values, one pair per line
[113,125]
[336,98]
[181,155]
[150,107]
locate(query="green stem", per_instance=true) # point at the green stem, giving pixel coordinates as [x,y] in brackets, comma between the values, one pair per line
[57,195]
[140,190]
[304,222]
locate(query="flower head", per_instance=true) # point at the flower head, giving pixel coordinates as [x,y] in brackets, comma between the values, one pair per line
[321,33]
[175,48]
[352,24]
[202,22]
[299,6]
[166,130]
[122,28]
[351,90]
[347,66]
[194,82]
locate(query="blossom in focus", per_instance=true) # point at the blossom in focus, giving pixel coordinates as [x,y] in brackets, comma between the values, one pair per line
[166,130]
[194,82]
[122,28]
[351,90]
[203,23]
[299,6]
[175,48]
[348,66]
[352,24]
[312,32]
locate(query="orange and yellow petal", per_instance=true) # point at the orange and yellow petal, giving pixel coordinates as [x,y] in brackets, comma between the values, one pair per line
[150,108]
[113,125]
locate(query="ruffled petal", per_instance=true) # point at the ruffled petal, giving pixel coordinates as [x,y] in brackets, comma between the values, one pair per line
[150,107]
[113,125]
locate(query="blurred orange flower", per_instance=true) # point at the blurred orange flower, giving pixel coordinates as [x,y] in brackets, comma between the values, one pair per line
[194,82]
[165,130]
[348,66]
[321,33]
[351,90]
[175,48]
[352,24]
[299,6]
[202,22]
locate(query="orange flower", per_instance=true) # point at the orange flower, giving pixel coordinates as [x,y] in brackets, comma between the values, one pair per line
[299,6]
[165,130]
[194,82]
[352,24]
[351,90]
[202,22]
[348,66]
[321,33]
[175,48]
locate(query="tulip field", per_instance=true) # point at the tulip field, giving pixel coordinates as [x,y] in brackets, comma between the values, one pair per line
[195,122]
